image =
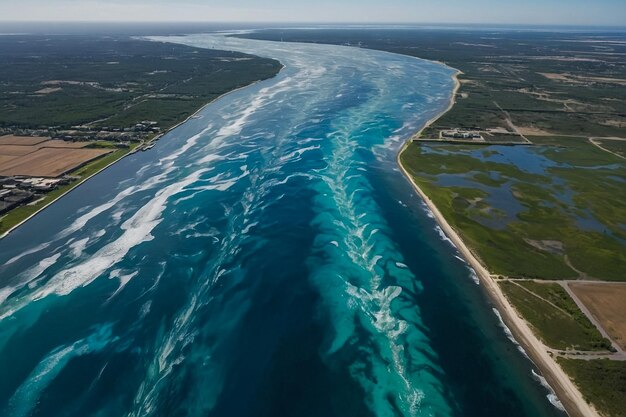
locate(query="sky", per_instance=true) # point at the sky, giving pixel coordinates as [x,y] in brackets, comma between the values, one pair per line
[535,12]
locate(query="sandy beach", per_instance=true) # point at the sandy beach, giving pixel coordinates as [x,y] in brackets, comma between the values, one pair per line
[566,391]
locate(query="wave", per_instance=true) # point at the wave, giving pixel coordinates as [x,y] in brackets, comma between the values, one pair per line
[552,398]
[25,398]
[444,237]
[28,252]
[474,276]
[508,332]
[295,155]
[136,230]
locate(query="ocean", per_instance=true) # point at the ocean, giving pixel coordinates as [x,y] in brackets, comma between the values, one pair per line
[265,258]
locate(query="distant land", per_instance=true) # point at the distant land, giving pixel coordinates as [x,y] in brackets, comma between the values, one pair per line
[528,167]
[97,98]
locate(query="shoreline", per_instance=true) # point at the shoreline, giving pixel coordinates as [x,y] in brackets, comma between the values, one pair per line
[79,183]
[195,113]
[138,148]
[567,393]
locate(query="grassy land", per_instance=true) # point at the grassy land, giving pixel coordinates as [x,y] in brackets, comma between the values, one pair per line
[601,381]
[559,322]
[21,213]
[69,80]
[617,146]
[521,248]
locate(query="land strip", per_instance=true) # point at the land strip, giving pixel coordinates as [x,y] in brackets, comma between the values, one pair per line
[567,392]
[73,105]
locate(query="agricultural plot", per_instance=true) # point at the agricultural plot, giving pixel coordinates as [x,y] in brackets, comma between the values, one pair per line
[607,303]
[50,162]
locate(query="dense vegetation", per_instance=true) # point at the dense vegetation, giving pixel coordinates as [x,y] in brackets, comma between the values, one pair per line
[570,219]
[117,81]
[601,381]
[554,316]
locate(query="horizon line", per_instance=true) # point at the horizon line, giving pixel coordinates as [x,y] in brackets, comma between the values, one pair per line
[316,23]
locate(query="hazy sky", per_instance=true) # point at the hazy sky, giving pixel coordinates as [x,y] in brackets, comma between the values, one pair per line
[575,12]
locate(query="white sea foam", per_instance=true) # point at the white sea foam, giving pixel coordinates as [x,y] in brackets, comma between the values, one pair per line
[508,333]
[443,236]
[81,221]
[28,252]
[474,276]
[210,158]
[554,400]
[5,293]
[136,230]
[189,143]
[295,155]
[25,398]
[41,266]
[235,126]
[123,278]
[427,210]
[28,278]
[77,248]
[246,229]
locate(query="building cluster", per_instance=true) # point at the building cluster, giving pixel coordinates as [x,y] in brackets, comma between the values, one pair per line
[16,191]
[138,132]
[461,134]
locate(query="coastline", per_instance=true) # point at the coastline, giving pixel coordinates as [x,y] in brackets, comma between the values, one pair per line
[69,190]
[565,390]
[138,148]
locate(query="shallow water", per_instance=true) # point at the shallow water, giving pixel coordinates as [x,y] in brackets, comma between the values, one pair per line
[264,259]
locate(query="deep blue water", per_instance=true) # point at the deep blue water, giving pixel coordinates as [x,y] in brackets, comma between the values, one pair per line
[264,259]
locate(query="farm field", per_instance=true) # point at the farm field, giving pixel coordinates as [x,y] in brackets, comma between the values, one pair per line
[50,162]
[607,304]
[21,140]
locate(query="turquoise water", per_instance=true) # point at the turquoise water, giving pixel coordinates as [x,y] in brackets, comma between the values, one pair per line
[266,258]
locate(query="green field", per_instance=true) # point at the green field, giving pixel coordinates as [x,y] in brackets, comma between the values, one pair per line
[617,146]
[114,82]
[601,381]
[570,219]
[557,321]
